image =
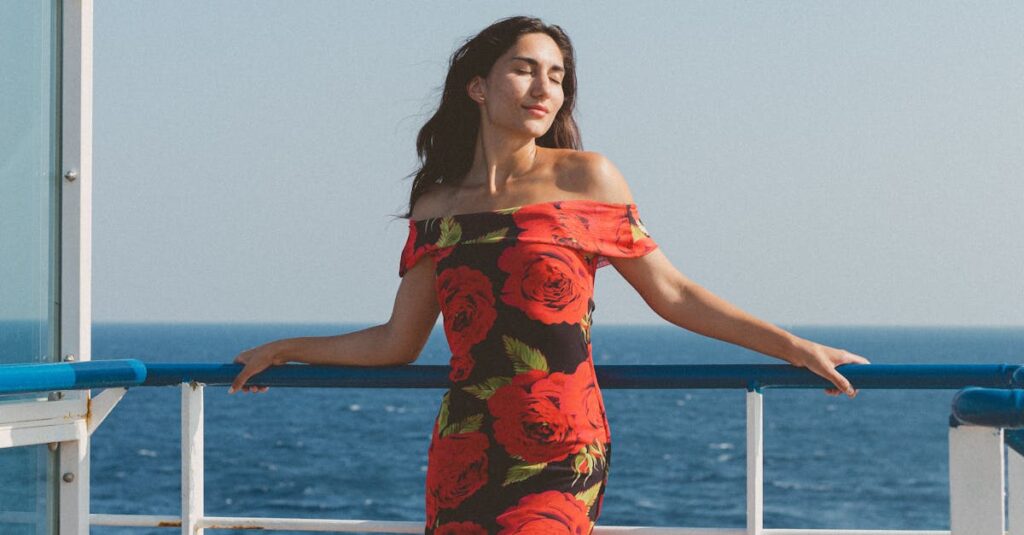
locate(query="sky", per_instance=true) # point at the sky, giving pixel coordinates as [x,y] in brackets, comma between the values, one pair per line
[813,163]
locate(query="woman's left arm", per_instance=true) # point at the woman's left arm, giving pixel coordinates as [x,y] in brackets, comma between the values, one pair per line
[683,302]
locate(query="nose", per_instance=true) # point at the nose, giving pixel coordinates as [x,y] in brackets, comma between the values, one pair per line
[542,86]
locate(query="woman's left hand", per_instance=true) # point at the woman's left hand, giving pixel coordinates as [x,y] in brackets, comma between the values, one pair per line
[822,360]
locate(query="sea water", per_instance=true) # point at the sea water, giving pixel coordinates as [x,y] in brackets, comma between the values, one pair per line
[878,461]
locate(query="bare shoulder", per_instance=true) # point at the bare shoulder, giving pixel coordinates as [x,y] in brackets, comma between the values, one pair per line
[595,175]
[429,204]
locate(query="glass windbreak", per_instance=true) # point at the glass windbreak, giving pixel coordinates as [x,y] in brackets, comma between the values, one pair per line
[29,237]
[28,167]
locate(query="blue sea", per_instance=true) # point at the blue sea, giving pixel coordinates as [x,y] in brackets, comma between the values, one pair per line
[878,461]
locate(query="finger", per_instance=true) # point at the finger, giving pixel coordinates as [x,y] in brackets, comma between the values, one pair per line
[240,380]
[841,383]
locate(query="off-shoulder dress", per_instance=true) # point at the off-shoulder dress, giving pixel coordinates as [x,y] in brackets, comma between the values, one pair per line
[521,442]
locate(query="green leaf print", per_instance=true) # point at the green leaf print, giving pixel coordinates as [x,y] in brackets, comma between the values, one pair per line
[510,210]
[519,472]
[639,231]
[579,459]
[451,232]
[468,425]
[442,417]
[589,496]
[487,388]
[524,358]
[490,237]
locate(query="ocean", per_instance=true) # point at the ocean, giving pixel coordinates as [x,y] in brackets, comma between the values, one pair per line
[878,461]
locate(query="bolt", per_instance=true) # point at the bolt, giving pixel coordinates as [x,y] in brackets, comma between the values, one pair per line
[69,358]
[68,477]
[71,175]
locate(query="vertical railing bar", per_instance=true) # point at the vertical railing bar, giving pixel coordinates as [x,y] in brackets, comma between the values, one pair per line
[74,256]
[1015,491]
[977,490]
[192,465]
[755,462]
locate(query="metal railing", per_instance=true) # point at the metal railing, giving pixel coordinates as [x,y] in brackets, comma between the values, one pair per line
[989,403]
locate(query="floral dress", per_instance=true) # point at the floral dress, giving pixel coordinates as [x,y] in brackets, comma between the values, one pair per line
[521,442]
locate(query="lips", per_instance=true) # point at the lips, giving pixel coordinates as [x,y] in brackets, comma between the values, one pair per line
[537,107]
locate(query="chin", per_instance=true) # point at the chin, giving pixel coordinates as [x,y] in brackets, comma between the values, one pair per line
[536,132]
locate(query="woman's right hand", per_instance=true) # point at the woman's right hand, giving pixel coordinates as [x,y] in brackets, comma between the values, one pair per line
[255,360]
[823,360]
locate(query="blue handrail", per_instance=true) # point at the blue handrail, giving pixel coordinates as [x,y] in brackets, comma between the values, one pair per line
[989,407]
[18,378]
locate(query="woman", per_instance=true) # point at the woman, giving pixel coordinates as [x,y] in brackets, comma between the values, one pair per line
[508,222]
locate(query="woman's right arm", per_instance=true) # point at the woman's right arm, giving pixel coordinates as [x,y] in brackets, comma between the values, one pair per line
[397,342]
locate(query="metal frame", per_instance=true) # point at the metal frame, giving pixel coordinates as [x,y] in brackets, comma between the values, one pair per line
[977,438]
[976,486]
[76,250]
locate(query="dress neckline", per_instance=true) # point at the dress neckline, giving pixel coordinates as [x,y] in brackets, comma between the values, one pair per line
[529,205]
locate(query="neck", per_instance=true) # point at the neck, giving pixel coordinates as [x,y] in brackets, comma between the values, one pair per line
[499,160]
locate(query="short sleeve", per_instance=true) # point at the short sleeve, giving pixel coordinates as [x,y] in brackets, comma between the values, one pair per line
[624,236]
[413,250]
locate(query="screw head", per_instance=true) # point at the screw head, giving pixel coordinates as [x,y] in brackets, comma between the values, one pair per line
[69,358]
[68,477]
[71,175]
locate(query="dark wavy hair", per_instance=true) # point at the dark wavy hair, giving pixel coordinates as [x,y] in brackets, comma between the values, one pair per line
[446,143]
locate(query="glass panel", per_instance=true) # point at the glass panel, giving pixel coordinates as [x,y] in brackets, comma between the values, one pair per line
[29,237]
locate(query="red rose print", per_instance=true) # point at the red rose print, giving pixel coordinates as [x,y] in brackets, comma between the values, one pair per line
[589,228]
[467,300]
[457,469]
[582,400]
[618,233]
[460,528]
[431,506]
[549,284]
[410,244]
[533,419]
[551,224]
[462,366]
[411,253]
[547,513]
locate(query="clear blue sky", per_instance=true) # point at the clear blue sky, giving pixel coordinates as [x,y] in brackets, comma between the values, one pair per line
[854,163]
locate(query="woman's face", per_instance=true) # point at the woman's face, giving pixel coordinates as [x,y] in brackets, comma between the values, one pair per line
[527,75]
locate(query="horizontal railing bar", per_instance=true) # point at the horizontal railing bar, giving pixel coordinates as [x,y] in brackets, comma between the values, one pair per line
[696,376]
[989,407]
[131,372]
[135,521]
[19,378]
[397,526]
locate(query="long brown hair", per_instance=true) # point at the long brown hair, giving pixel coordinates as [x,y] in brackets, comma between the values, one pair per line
[446,142]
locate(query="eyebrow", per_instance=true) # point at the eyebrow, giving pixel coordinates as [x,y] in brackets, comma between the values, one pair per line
[531,61]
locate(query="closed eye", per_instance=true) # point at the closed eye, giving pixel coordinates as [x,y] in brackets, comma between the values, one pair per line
[520,71]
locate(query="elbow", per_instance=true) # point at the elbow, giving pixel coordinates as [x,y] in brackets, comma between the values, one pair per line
[402,345]
[670,300]
[408,356]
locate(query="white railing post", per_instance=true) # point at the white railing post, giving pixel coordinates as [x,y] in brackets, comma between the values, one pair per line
[75,246]
[1015,489]
[976,488]
[192,477]
[755,462]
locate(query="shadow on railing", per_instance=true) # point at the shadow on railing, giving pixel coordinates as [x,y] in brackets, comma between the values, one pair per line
[989,402]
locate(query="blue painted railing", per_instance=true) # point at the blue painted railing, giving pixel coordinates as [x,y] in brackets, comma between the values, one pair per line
[17,378]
